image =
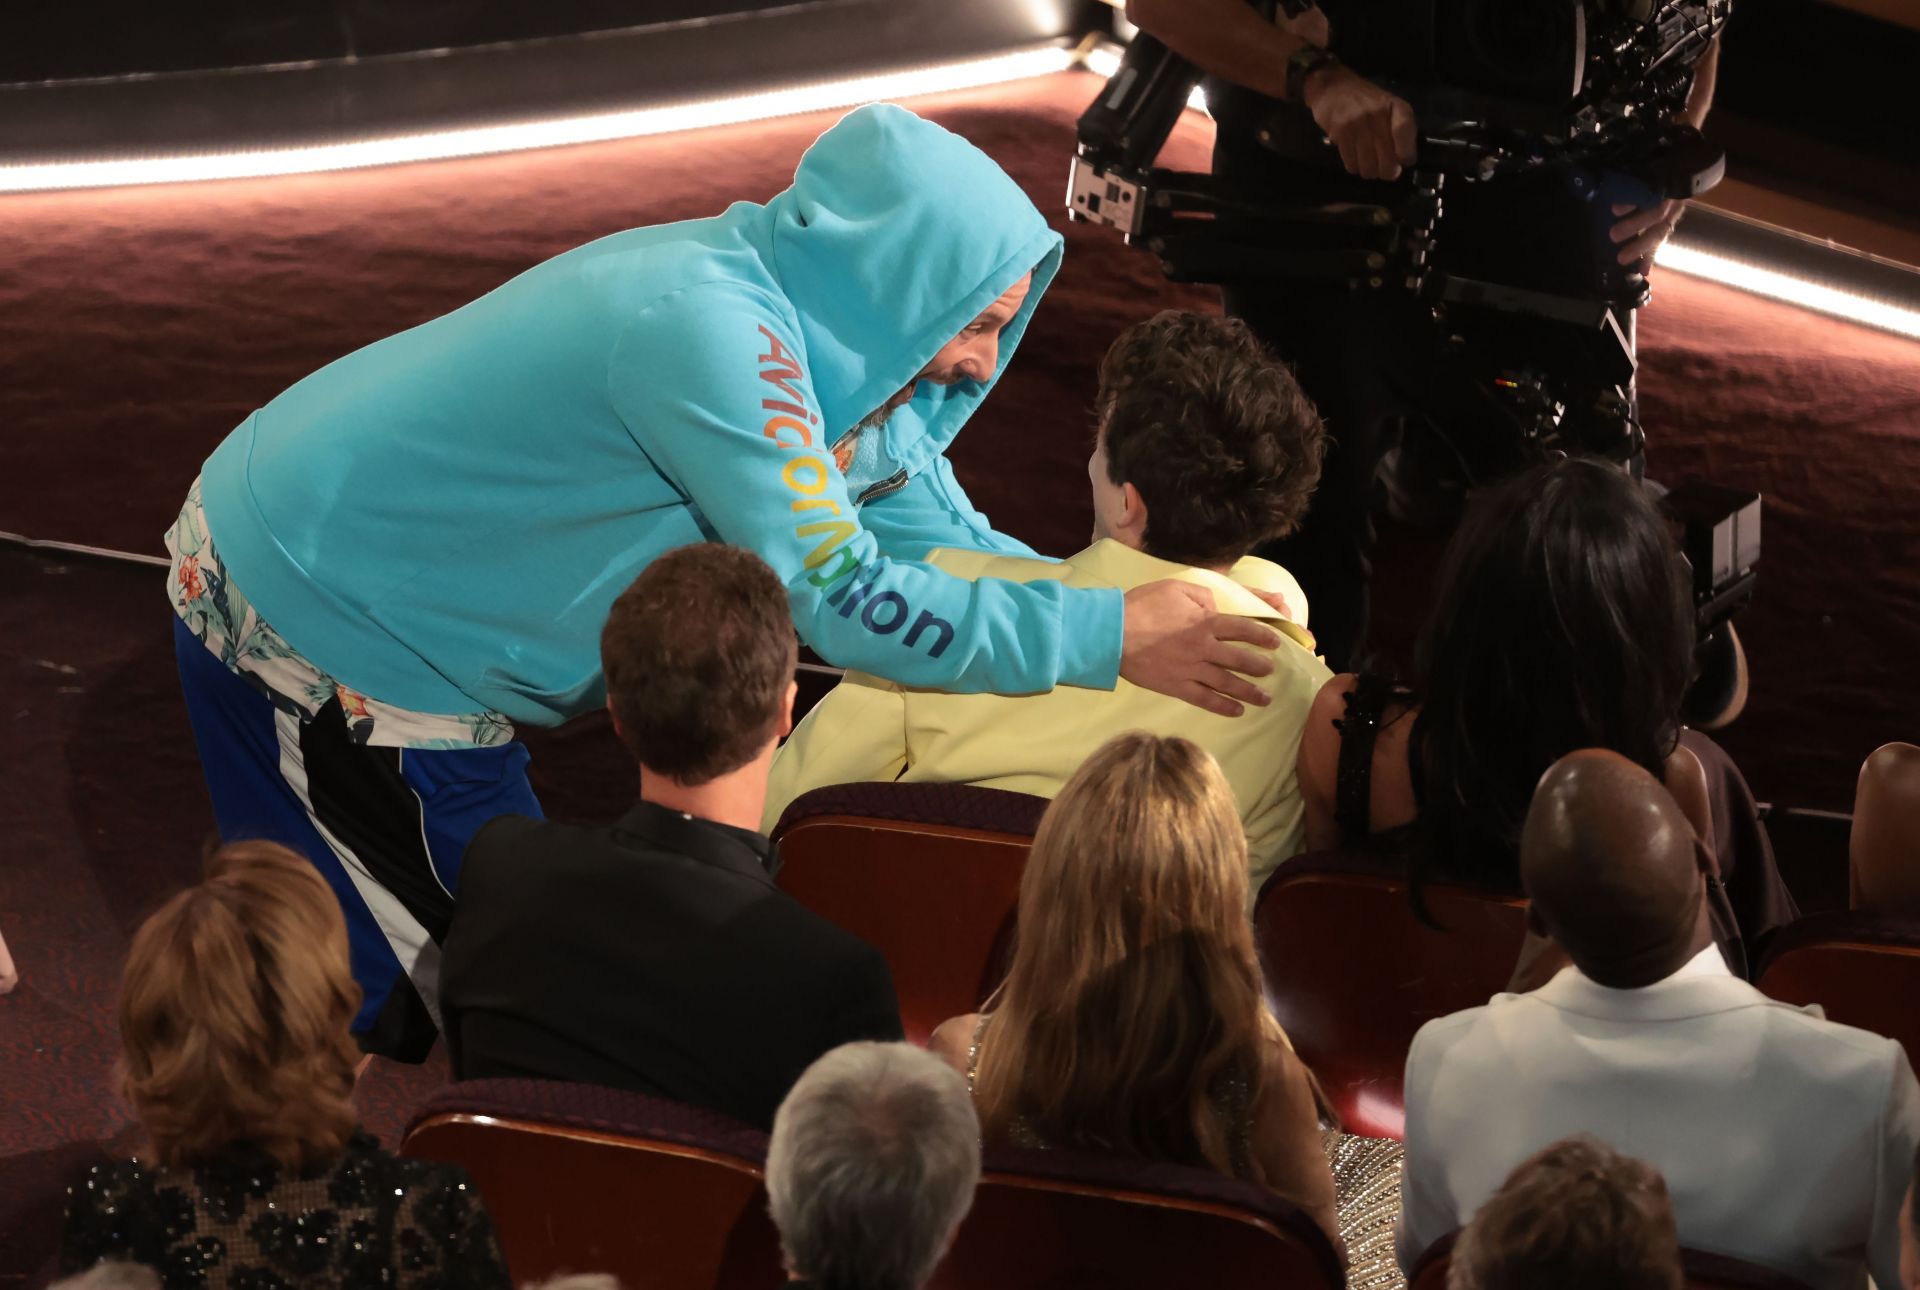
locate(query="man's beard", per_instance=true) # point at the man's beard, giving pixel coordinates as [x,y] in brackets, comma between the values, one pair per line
[878,417]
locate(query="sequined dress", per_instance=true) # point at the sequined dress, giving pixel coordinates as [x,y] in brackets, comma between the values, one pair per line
[1366,1176]
[245,1223]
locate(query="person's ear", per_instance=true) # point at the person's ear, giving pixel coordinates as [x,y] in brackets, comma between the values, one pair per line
[1535,923]
[784,726]
[1133,511]
[614,717]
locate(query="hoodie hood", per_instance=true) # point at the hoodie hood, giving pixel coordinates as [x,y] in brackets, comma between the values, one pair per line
[895,235]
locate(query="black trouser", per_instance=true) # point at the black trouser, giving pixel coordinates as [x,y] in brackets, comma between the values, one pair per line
[1345,356]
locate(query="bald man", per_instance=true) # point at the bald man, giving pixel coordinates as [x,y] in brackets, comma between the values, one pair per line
[1785,1139]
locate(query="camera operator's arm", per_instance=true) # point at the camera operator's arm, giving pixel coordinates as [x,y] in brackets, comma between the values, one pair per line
[1372,128]
[1700,97]
[1646,228]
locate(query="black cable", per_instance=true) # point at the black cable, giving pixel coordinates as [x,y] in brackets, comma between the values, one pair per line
[161,562]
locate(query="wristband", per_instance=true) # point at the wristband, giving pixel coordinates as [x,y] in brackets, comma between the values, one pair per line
[1305,61]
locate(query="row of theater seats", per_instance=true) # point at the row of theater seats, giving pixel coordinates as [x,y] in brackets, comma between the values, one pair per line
[670,1197]
[930,874]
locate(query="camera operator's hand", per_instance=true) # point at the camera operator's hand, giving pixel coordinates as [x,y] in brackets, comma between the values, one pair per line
[1644,230]
[1175,643]
[1309,24]
[1373,129]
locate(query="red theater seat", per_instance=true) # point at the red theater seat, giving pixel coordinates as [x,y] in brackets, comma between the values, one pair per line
[1862,969]
[928,874]
[1353,973]
[586,1179]
[1047,1220]
[1704,1271]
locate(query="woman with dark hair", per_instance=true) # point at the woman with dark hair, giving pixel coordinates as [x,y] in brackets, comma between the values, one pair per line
[1561,621]
[235,1055]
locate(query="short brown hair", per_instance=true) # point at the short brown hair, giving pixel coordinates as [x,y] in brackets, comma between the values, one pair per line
[1213,430]
[698,653]
[1577,1215]
[234,1014]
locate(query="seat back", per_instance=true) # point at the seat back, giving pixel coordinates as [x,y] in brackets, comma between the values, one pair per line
[1352,972]
[1045,1220]
[1862,969]
[1883,854]
[928,874]
[1703,1271]
[585,1179]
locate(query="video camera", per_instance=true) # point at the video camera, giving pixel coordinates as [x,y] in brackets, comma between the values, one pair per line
[1583,92]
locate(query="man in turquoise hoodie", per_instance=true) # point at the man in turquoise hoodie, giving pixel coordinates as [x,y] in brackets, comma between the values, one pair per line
[409,551]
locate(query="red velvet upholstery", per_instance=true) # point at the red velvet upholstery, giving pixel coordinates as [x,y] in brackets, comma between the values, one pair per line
[1353,973]
[1862,969]
[928,874]
[1049,1220]
[1704,1271]
[587,1179]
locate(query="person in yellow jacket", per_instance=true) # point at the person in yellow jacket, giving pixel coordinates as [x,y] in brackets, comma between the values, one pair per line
[1205,448]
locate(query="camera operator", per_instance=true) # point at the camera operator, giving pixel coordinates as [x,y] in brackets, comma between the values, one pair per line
[1363,356]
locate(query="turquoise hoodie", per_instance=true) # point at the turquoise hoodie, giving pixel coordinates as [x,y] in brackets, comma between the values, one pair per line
[442,519]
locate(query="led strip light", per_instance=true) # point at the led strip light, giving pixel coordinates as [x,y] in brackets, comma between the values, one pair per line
[1103,60]
[1786,287]
[474,141]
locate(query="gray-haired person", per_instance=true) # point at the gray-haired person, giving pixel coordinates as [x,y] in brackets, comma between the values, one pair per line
[872,1165]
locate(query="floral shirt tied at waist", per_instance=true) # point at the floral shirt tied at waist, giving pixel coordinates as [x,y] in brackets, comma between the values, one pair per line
[218,615]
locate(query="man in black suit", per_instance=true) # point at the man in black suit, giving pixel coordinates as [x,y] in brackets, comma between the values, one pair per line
[656,954]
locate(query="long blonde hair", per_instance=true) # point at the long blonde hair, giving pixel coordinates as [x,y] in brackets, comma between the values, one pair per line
[234,1014]
[1135,990]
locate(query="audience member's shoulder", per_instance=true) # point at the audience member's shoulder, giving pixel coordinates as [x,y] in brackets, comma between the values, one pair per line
[952,1040]
[504,832]
[1264,575]
[1846,1047]
[419,1176]
[971,565]
[507,839]
[1444,1033]
[806,939]
[1330,704]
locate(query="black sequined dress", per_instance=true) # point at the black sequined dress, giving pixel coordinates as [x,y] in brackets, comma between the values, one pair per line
[245,1223]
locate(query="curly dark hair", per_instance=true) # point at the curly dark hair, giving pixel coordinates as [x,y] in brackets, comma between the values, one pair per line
[1213,430]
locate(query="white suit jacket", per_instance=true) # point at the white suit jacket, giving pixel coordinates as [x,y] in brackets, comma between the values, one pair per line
[1786,1139]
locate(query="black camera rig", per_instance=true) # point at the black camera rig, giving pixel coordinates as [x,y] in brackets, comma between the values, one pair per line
[1585,93]
[1582,95]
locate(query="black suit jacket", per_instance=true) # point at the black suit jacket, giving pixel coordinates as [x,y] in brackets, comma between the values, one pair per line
[654,955]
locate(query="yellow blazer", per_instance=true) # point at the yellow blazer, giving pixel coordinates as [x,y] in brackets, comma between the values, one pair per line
[872,729]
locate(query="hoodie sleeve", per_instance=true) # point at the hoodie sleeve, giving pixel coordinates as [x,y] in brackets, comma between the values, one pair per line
[713,388]
[932,512]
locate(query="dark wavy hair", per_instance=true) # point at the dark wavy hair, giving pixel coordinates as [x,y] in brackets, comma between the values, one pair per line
[1213,430]
[1562,621]
[698,654]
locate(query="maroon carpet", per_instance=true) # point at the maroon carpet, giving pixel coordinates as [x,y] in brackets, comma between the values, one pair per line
[138,326]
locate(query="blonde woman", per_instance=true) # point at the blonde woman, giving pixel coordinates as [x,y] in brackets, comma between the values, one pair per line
[1132,1020]
[237,1059]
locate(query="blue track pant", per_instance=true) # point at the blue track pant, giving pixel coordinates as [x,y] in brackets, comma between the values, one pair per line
[385,826]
